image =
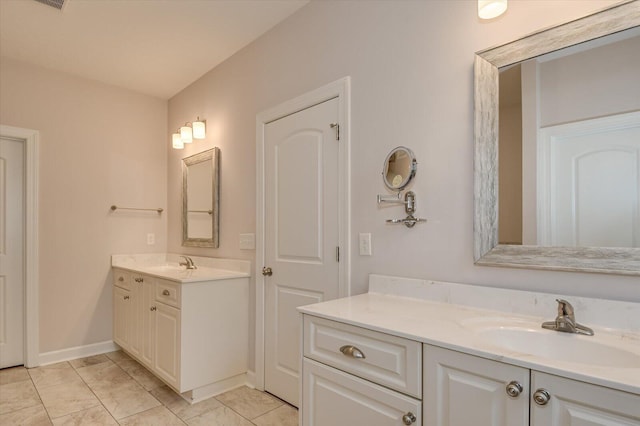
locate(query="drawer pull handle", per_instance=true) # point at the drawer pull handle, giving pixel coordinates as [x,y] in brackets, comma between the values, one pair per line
[153,308]
[165,292]
[409,418]
[352,351]
[126,297]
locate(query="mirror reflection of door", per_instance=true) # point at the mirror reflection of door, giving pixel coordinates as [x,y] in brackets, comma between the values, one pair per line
[199,204]
[563,198]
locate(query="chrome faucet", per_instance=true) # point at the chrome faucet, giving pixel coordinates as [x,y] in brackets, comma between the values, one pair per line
[566,320]
[188,263]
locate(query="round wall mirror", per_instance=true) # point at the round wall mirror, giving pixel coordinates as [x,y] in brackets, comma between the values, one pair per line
[399,168]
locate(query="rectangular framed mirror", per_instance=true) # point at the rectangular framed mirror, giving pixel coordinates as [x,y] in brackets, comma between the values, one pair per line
[200,199]
[535,205]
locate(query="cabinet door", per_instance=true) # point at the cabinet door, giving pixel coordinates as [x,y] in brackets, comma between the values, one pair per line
[121,309]
[167,343]
[464,390]
[147,294]
[135,316]
[332,397]
[573,403]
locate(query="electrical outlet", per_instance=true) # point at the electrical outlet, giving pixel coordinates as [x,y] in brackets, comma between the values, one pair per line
[365,244]
[151,239]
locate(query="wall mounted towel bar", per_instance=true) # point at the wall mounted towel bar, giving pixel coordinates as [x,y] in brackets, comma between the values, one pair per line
[114,208]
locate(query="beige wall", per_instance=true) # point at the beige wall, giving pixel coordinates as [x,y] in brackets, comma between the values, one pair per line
[411,65]
[99,145]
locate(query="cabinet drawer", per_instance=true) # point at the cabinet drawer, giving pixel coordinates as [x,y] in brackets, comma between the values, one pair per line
[332,397]
[168,292]
[122,279]
[391,361]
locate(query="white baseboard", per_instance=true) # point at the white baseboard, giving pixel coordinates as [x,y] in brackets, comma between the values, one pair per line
[251,379]
[77,352]
[213,389]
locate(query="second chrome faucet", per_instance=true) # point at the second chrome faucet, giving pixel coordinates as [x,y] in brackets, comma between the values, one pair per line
[188,262]
[566,320]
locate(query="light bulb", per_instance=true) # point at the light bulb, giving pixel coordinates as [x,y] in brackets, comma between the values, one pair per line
[489,9]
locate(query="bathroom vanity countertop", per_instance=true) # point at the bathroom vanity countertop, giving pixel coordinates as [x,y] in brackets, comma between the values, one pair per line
[459,328]
[166,266]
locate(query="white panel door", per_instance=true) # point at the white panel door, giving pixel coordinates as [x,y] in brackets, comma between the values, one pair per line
[465,390]
[334,398]
[301,233]
[574,403]
[593,183]
[12,228]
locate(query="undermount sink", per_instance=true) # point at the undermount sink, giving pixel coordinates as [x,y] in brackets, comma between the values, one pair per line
[560,346]
[529,338]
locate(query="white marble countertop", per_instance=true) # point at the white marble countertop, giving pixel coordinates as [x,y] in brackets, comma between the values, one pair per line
[457,327]
[166,266]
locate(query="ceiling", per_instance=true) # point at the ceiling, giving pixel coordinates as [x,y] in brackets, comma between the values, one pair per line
[156,47]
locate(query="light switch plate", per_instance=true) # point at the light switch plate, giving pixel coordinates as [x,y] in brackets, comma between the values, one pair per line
[247,241]
[365,244]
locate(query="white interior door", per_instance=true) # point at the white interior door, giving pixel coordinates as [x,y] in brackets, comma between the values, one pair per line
[593,184]
[301,233]
[11,252]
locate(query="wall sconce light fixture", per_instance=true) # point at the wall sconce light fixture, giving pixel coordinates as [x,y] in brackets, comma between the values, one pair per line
[489,9]
[188,132]
[176,140]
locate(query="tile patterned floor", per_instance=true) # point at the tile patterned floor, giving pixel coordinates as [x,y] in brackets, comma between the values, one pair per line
[113,389]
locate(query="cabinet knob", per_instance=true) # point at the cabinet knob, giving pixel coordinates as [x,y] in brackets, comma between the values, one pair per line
[541,397]
[352,351]
[153,308]
[165,292]
[409,418]
[120,279]
[514,389]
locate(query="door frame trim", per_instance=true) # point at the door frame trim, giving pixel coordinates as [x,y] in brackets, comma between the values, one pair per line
[30,138]
[340,89]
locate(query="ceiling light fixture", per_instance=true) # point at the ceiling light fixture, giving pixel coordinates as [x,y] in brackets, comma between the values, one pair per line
[489,9]
[189,132]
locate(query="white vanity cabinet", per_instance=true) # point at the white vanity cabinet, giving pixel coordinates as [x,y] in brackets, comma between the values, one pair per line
[466,390]
[574,403]
[355,376]
[180,331]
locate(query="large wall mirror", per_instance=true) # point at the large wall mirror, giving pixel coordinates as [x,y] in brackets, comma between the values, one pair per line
[557,147]
[200,203]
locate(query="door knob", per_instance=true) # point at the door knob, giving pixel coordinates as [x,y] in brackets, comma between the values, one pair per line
[266,271]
